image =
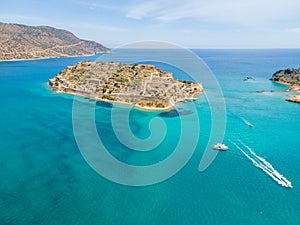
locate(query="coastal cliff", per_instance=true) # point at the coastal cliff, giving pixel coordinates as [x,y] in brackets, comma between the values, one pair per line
[289,77]
[141,85]
[19,42]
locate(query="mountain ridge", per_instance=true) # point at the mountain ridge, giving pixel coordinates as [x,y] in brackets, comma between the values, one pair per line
[18,41]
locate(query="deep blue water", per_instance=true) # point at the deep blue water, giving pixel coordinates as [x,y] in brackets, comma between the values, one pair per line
[45,179]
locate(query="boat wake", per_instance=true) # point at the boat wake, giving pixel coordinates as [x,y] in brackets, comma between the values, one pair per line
[262,164]
[242,119]
[246,122]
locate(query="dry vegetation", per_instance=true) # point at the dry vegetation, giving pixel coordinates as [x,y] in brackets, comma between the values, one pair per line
[28,42]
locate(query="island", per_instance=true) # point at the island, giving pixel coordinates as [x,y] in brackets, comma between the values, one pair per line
[289,77]
[21,42]
[142,85]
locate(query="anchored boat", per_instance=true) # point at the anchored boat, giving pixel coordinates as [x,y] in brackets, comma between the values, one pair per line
[220,147]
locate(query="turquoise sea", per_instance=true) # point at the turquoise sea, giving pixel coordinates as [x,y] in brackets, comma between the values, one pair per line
[45,179]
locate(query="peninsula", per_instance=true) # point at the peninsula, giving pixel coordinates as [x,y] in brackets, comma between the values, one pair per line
[21,42]
[289,77]
[141,85]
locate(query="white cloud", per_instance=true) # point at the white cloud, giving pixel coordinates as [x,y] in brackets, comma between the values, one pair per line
[235,12]
[144,10]
[293,30]
[95,4]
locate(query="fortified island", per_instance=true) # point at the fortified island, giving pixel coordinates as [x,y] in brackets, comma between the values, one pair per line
[289,77]
[141,85]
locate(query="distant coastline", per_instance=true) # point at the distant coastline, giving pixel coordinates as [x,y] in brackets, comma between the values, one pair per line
[43,58]
[22,42]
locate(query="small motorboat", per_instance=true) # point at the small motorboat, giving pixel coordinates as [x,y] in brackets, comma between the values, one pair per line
[288,184]
[220,147]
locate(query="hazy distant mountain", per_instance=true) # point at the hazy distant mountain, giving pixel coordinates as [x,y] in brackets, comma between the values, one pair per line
[29,42]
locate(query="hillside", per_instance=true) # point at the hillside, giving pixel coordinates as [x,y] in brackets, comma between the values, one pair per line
[290,77]
[29,42]
[141,85]
[287,76]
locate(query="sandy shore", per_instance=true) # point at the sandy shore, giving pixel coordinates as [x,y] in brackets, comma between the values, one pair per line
[283,83]
[293,88]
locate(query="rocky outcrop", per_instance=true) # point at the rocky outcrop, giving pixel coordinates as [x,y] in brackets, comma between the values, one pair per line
[289,77]
[295,99]
[29,42]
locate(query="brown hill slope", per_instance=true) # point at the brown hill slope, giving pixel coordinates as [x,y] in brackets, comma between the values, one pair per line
[29,42]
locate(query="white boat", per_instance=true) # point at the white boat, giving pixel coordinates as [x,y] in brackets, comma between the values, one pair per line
[250,124]
[288,184]
[220,147]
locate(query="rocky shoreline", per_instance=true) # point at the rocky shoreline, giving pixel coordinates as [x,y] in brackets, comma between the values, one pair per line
[289,77]
[295,99]
[42,58]
[141,85]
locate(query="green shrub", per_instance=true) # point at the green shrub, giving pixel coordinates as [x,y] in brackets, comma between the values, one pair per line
[121,80]
[159,105]
[82,71]
[108,97]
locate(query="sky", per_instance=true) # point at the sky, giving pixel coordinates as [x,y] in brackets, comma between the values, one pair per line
[188,23]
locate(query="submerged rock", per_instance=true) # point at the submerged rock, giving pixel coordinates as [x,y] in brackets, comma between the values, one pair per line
[248,78]
[104,104]
[174,113]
